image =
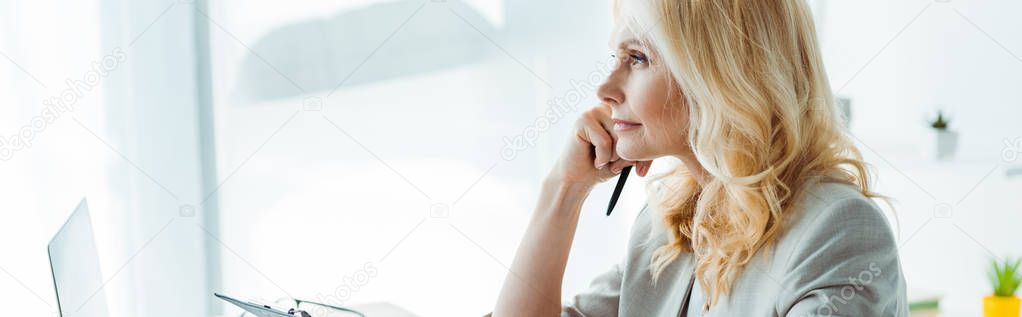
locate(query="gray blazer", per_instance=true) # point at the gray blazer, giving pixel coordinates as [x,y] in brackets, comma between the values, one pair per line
[836,256]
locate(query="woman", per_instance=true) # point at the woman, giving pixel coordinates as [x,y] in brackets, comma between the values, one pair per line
[771,212]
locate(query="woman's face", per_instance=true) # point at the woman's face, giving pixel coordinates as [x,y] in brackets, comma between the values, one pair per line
[651,118]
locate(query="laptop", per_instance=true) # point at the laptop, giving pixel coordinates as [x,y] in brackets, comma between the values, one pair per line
[74,263]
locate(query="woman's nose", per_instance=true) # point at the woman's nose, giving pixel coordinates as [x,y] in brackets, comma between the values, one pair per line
[609,92]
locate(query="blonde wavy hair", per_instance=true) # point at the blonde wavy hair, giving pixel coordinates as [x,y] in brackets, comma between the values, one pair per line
[762,122]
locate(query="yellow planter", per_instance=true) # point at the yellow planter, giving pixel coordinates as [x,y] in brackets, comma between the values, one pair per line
[996,306]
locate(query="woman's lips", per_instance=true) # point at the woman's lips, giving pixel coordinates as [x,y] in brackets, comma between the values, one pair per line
[622,125]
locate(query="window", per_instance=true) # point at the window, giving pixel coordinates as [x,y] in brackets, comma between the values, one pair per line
[367,142]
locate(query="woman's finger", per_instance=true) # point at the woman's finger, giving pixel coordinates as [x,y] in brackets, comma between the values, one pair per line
[642,167]
[616,167]
[601,141]
[601,115]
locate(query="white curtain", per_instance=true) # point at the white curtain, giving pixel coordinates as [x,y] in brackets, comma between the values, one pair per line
[99,101]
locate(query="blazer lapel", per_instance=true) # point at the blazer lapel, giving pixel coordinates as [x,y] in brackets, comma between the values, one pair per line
[690,269]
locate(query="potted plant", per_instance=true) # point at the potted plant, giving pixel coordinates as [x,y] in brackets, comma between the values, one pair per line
[947,140]
[1005,278]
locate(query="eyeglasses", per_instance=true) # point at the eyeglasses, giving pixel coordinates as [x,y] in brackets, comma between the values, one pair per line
[303,308]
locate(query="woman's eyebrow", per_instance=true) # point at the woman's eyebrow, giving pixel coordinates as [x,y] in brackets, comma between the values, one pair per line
[625,43]
[630,42]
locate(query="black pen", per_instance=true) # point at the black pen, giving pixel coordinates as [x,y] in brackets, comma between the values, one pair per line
[617,189]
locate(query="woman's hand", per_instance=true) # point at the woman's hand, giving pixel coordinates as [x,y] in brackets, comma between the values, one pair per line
[533,285]
[591,156]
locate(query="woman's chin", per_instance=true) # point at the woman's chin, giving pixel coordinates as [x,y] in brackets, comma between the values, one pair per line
[631,153]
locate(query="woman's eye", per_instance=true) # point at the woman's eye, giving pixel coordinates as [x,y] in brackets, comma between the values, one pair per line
[631,59]
[637,59]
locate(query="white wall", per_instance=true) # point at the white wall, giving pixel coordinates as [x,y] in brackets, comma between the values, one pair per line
[152,120]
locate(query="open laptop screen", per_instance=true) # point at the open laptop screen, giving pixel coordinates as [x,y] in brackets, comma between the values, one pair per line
[74,263]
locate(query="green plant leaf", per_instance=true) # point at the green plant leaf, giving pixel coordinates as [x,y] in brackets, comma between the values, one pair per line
[1005,277]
